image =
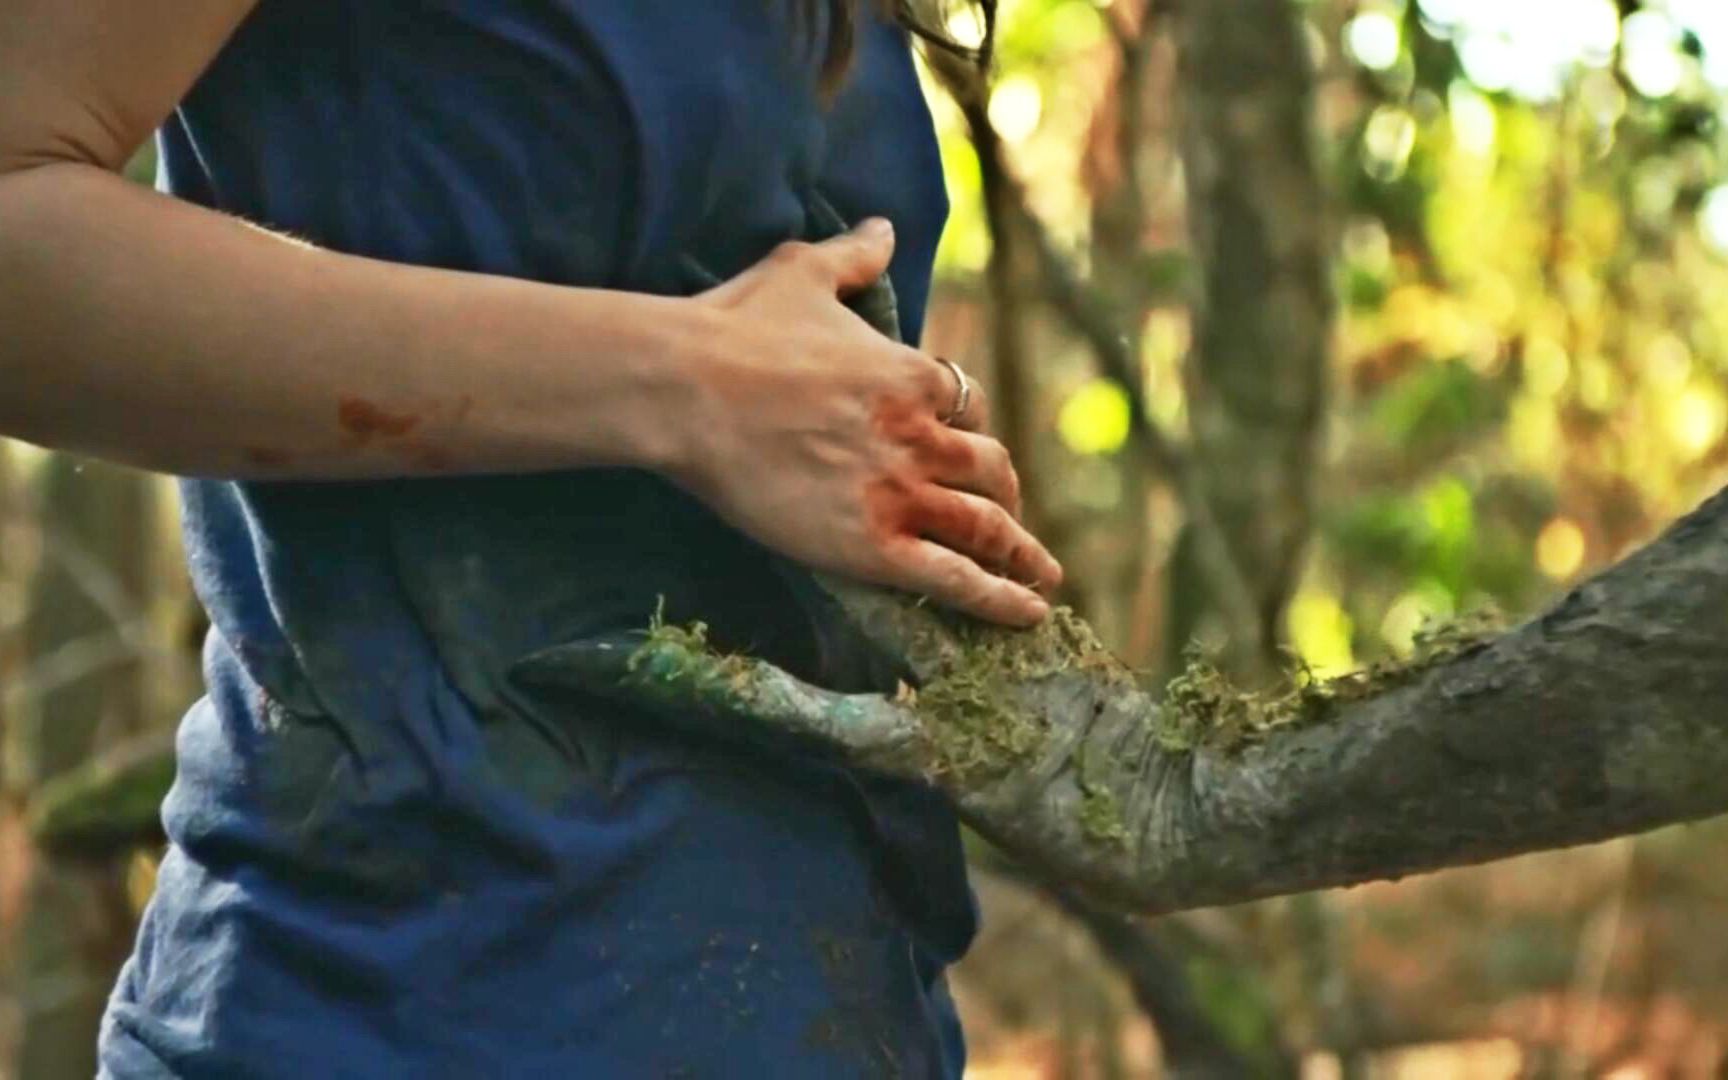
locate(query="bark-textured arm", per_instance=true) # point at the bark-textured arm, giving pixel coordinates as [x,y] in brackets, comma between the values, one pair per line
[1606,715]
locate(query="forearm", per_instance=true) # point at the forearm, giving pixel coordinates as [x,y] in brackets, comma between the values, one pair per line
[160,334]
[154,332]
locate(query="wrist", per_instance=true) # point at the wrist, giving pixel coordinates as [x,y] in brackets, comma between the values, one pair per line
[675,435]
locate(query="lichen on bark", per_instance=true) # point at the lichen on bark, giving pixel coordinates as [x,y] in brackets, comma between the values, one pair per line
[1598,717]
[1202,707]
[975,722]
[972,706]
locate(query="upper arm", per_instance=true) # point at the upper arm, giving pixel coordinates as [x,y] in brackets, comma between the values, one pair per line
[89,80]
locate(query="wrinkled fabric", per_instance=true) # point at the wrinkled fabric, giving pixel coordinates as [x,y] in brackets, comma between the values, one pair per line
[387,860]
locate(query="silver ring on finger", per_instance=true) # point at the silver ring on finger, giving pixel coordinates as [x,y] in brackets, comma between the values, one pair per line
[962,392]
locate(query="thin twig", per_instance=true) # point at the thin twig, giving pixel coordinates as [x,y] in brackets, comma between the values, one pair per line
[80,658]
[93,578]
[1088,315]
[1595,950]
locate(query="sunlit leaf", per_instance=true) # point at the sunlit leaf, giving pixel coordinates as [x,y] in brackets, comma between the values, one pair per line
[1560,548]
[1320,631]
[1095,418]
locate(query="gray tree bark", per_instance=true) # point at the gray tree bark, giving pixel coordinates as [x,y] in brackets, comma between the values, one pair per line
[1600,717]
[1262,306]
[1262,236]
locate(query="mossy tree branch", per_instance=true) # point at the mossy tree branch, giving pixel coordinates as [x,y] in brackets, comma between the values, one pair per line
[1601,717]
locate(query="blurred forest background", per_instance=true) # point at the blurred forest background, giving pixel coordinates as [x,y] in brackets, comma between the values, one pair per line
[1310,324]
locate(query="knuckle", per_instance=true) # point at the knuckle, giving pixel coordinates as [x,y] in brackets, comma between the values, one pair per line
[898,565]
[957,580]
[1003,604]
[793,253]
[930,379]
[1006,543]
[913,388]
[978,404]
[997,459]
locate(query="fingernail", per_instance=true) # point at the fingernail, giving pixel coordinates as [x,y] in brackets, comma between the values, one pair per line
[876,228]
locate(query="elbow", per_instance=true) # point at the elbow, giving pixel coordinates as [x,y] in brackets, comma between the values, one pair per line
[28,182]
[32,171]
[17,160]
[82,137]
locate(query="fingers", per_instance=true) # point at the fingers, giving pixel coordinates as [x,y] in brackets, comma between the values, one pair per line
[862,255]
[986,533]
[955,581]
[976,463]
[965,407]
[848,262]
[956,459]
[939,390]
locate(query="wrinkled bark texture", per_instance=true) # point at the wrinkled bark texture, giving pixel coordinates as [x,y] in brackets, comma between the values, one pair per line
[1603,716]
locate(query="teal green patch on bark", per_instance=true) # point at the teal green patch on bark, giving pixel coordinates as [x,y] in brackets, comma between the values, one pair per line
[671,654]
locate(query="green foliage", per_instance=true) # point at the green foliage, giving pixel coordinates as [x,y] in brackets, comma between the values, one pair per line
[1202,707]
[1095,419]
[1236,999]
[107,804]
[1435,408]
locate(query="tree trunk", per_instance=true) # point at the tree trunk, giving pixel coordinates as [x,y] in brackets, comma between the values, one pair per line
[1013,407]
[1260,226]
[1262,308]
[1111,304]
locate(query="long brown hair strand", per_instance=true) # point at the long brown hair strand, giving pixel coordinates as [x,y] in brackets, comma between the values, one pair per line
[924,19]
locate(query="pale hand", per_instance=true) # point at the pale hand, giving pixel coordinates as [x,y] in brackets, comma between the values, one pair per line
[821,439]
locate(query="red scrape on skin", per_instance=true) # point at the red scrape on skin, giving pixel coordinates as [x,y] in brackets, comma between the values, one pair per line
[363,420]
[935,446]
[907,505]
[430,458]
[901,506]
[888,509]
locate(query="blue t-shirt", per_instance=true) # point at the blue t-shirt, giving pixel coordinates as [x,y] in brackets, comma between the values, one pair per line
[386,859]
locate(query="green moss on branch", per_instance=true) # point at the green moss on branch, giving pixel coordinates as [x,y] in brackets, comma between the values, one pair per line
[978,707]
